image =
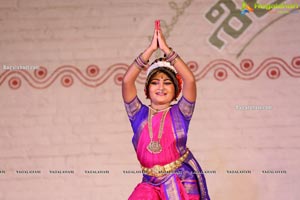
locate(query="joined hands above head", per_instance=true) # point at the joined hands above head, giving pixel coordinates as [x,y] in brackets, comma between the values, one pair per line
[158,41]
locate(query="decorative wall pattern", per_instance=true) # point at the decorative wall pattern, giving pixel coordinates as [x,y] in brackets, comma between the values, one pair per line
[92,76]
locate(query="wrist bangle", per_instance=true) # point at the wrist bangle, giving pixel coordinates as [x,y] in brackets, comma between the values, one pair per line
[141,59]
[140,62]
[137,65]
[174,61]
[171,51]
[172,57]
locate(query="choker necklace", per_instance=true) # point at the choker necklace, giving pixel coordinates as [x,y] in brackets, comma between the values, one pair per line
[154,111]
[155,146]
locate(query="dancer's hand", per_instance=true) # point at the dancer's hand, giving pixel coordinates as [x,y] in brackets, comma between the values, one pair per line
[162,42]
[154,44]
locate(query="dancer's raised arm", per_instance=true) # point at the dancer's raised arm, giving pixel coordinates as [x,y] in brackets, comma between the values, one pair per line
[140,63]
[189,90]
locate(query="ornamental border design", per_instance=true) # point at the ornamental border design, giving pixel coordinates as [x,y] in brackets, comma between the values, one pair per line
[220,68]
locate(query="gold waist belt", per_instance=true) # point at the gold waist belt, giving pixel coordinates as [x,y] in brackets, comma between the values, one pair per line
[158,170]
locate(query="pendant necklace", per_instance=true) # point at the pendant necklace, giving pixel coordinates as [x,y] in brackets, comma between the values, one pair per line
[155,146]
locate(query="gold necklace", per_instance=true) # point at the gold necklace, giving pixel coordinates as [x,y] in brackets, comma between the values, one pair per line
[154,111]
[155,146]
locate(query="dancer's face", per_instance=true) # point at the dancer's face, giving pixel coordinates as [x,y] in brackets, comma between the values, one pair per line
[161,89]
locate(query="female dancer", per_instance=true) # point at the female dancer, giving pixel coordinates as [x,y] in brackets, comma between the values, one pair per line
[170,171]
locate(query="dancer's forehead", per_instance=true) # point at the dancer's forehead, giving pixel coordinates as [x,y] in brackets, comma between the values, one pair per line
[160,75]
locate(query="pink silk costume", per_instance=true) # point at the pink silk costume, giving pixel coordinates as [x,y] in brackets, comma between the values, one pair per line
[187,181]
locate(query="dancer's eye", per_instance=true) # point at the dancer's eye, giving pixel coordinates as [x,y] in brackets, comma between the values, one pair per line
[154,82]
[168,83]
